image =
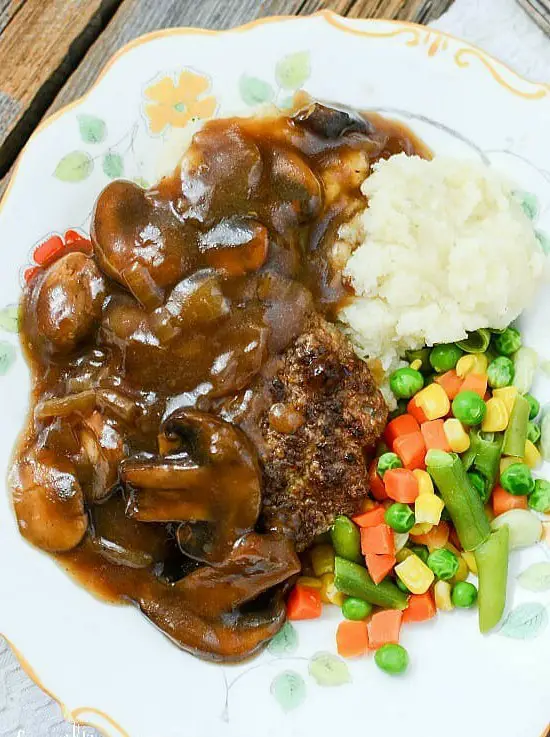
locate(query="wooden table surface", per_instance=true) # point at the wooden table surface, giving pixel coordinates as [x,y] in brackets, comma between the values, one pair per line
[52,50]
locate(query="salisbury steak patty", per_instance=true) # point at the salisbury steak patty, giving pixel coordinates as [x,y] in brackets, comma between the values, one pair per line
[318,470]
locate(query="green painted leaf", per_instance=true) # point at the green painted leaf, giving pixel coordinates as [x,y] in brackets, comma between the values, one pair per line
[141,182]
[544,241]
[92,129]
[255,91]
[7,357]
[113,165]
[74,167]
[9,319]
[329,670]
[285,641]
[525,622]
[536,577]
[289,690]
[529,203]
[293,70]
[286,103]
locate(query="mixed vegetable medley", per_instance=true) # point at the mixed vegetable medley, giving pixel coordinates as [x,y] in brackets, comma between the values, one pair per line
[453,491]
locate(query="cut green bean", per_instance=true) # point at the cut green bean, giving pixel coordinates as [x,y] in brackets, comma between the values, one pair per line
[492,568]
[476,342]
[461,499]
[516,432]
[353,580]
[484,455]
[346,539]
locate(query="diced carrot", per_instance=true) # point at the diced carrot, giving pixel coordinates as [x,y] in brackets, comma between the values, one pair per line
[411,449]
[48,251]
[416,411]
[453,537]
[376,485]
[379,565]
[304,603]
[379,540]
[475,383]
[434,435]
[503,501]
[30,273]
[421,607]
[352,639]
[371,518]
[451,383]
[384,628]
[437,537]
[401,485]
[402,425]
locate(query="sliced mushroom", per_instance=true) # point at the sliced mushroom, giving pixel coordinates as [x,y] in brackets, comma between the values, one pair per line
[139,243]
[331,122]
[103,448]
[226,613]
[48,501]
[214,491]
[236,245]
[299,193]
[64,307]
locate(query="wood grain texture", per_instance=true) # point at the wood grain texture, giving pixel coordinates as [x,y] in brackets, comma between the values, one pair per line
[8,11]
[135,17]
[42,42]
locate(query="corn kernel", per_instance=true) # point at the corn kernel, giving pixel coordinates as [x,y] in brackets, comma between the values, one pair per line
[508,461]
[508,395]
[456,435]
[470,559]
[367,505]
[463,570]
[415,574]
[472,363]
[416,365]
[546,532]
[425,483]
[310,582]
[496,418]
[421,528]
[403,554]
[434,401]
[442,593]
[322,559]
[329,592]
[428,508]
[532,456]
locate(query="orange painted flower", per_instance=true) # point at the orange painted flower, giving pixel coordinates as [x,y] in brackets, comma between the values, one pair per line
[176,104]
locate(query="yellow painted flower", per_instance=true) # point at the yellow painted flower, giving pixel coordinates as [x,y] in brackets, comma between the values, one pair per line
[176,104]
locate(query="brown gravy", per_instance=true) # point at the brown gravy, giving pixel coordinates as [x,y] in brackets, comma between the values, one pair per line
[194,287]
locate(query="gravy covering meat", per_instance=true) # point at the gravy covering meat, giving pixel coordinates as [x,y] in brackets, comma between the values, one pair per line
[196,417]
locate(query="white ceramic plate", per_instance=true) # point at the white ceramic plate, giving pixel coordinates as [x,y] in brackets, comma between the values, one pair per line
[108,665]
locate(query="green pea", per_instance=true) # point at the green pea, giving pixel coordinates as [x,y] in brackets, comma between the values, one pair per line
[421,551]
[517,479]
[392,659]
[469,408]
[534,406]
[501,372]
[388,461]
[479,484]
[539,500]
[406,382]
[400,585]
[443,563]
[476,342]
[507,342]
[346,539]
[464,594]
[422,355]
[445,357]
[399,517]
[356,609]
[533,432]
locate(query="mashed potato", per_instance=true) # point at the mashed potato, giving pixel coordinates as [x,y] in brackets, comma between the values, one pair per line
[443,248]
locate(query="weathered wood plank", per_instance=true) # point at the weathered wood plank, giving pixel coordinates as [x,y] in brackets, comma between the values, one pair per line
[136,17]
[8,10]
[39,48]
